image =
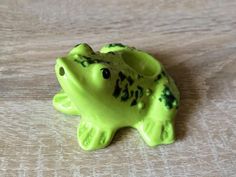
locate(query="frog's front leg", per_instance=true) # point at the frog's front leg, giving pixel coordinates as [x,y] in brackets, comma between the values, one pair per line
[91,136]
[62,103]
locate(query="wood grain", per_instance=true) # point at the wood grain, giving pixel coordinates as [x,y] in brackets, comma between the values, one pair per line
[195,40]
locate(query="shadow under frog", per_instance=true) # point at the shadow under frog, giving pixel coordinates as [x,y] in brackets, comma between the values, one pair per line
[117,87]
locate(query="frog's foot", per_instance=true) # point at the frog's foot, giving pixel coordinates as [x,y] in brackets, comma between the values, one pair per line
[92,137]
[62,103]
[156,132]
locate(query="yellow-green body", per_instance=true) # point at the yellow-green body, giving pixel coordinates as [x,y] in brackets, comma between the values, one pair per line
[117,87]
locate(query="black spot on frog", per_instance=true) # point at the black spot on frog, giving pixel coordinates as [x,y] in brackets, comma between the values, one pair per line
[163,73]
[134,102]
[140,91]
[125,94]
[158,77]
[117,89]
[130,80]
[85,61]
[131,93]
[116,45]
[113,53]
[136,94]
[122,76]
[169,99]
[139,76]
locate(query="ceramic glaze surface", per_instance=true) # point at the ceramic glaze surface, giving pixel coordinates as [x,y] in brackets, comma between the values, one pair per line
[118,86]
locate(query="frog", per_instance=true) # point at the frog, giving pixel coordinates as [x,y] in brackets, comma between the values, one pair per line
[115,87]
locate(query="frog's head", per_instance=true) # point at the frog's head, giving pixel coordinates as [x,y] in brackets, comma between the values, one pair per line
[112,76]
[85,76]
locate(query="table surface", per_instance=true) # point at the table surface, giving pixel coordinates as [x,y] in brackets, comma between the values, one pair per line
[195,40]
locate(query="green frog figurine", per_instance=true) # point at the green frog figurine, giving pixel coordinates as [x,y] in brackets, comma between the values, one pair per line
[117,87]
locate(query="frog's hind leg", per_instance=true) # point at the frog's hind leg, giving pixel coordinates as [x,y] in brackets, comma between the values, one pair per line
[155,132]
[62,103]
[92,137]
[158,125]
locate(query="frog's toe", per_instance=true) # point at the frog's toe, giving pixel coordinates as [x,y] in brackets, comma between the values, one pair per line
[101,139]
[157,132]
[92,137]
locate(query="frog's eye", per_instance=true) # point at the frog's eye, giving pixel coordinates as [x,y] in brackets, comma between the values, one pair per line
[106,73]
